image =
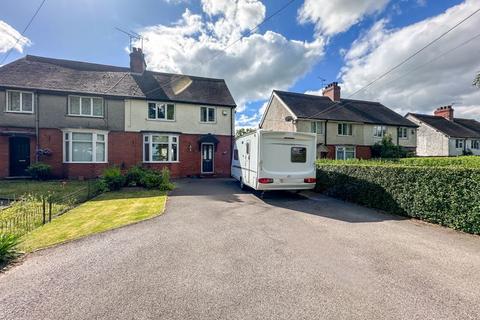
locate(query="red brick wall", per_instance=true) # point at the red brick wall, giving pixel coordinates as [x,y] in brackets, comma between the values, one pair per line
[363,152]
[125,150]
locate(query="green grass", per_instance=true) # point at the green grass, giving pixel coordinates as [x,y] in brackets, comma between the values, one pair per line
[107,211]
[17,188]
[463,162]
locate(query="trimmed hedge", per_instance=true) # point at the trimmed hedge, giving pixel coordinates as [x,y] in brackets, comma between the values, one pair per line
[449,196]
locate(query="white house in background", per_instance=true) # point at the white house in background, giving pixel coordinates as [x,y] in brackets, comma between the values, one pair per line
[444,135]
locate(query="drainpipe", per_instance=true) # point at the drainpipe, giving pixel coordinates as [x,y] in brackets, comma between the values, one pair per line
[231,136]
[325,135]
[37,124]
[398,136]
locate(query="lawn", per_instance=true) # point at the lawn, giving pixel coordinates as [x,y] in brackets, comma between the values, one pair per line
[17,188]
[107,211]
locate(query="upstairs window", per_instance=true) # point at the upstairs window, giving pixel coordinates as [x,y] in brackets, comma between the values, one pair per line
[345,129]
[161,111]
[459,143]
[316,127]
[379,131]
[19,101]
[476,144]
[403,133]
[85,106]
[207,114]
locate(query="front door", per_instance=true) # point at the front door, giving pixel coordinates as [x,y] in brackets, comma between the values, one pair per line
[19,156]
[207,158]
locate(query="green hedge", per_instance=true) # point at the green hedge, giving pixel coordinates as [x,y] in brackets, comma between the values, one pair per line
[445,195]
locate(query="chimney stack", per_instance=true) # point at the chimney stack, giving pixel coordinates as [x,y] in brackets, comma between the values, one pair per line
[137,61]
[446,112]
[332,91]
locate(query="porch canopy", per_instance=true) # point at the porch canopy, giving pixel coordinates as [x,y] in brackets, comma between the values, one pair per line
[208,138]
[17,133]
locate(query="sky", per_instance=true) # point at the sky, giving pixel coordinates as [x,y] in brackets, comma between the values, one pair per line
[307,45]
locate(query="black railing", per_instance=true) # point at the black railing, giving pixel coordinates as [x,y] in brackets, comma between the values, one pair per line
[26,213]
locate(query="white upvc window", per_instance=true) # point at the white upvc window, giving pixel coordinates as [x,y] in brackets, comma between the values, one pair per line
[208,114]
[475,144]
[317,127]
[345,152]
[161,111]
[459,143]
[85,106]
[85,146]
[379,131]
[160,148]
[403,133]
[345,129]
[19,101]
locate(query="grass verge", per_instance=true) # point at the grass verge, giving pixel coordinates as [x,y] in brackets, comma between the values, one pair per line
[17,188]
[107,211]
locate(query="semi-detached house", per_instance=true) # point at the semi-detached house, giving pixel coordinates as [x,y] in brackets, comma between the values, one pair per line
[82,117]
[345,128]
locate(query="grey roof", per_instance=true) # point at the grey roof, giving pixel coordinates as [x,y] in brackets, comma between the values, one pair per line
[322,108]
[39,73]
[458,128]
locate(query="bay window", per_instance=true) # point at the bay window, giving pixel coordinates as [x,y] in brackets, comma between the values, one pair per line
[85,106]
[160,148]
[161,111]
[19,101]
[344,153]
[85,147]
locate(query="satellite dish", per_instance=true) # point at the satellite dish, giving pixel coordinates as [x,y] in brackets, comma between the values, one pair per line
[289,118]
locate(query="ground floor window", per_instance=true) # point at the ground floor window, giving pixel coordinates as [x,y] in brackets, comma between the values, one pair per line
[345,152]
[160,148]
[85,146]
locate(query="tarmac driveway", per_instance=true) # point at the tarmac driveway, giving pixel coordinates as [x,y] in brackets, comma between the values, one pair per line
[218,253]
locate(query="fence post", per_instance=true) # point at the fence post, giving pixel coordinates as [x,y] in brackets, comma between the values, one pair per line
[50,209]
[43,210]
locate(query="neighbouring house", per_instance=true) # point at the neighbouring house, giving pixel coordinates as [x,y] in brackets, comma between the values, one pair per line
[441,134]
[82,117]
[345,128]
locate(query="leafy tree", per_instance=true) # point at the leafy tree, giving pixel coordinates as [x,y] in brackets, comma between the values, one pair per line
[476,82]
[243,131]
[387,149]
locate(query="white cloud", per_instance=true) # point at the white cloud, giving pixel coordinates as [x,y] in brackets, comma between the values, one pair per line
[332,17]
[252,67]
[8,38]
[418,86]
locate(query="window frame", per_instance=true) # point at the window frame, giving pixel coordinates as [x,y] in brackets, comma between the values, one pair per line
[383,131]
[207,109]
[151,143]
[94,142]
[292,155]
[403,130]
[166,104]
[91,115]
[314,125]
[21,92]
[475,144]
[348,125]
[459,144]
[345,152]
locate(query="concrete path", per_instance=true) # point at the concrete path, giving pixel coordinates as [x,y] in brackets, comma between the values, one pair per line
[218,253]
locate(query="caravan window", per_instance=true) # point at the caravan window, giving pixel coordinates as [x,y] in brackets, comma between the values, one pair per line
[247,148]
[235,154]
[299,154]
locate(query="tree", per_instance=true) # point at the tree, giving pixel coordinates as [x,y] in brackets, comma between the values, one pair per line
[387,149]
[476,82]
[243,131]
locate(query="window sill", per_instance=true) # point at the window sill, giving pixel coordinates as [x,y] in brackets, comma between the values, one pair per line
[160,120]
[213,122]
[19,112]
[344,135]
[164,162]
[84,162]
[84,116]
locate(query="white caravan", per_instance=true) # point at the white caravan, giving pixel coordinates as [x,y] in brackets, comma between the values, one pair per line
[272,160]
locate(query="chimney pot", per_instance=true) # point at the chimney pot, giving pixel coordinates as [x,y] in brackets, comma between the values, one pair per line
[445,111]
[332,90]
[137,61]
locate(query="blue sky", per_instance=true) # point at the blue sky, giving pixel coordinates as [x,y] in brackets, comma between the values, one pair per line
[293,51]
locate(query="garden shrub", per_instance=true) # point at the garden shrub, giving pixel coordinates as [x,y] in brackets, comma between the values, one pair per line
[8,251]
[135,175]
[445,195]
[387,149]
[151,180]
[40,171]
[113,178]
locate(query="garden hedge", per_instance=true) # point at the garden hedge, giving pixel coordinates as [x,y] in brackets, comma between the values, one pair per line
[449,196]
